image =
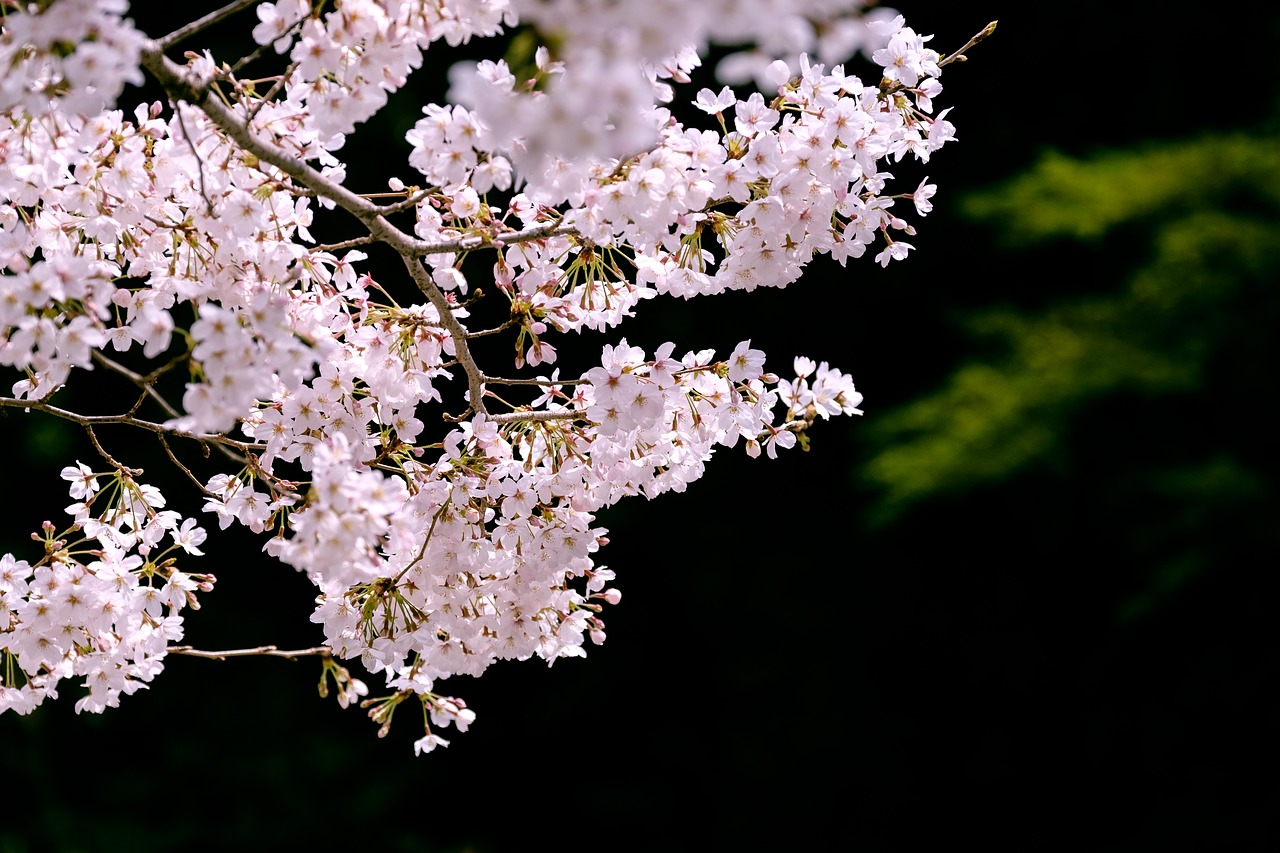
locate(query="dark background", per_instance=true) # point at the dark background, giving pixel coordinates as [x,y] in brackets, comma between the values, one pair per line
[1008,663]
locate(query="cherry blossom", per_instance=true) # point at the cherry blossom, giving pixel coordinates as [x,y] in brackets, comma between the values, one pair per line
[179,235]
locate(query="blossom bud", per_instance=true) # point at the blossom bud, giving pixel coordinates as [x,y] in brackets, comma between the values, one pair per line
[777,74]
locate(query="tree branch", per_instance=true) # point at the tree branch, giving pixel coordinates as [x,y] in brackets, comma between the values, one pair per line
[536,417]
[546,383]
[475,376]
[176,81]
[183,468]
[268,651]
[90,421]
[93,438]
[180,85]
[345,244]
[411,201]
[185,32]
[143,382]
[495,330]
[958,56]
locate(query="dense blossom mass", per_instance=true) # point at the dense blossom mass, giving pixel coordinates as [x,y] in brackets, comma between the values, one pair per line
[174,238]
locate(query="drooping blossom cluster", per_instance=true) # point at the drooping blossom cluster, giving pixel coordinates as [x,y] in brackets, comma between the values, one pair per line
[179,236]
[103,603]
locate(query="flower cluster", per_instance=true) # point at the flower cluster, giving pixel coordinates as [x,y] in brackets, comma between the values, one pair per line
[74,58]
[103,602]
[349,60]
[180,237]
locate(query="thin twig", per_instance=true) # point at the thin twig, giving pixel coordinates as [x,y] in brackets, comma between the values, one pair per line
[531,234]
[93,438]
[126,420]
[178,359]
[345,244]
[147,384]
[271,93]
[184,32]
[425,542]
[204,193]
[183,468]
[958,56]
[497,380]
[495,330]
[411,201]
[262,49]
[267,651]
[143,382]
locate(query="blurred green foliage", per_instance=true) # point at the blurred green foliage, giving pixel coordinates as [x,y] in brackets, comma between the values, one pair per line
[1157,184]
[1165,374]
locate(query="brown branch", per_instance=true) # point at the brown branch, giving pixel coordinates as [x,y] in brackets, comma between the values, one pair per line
[502,238]
[191,143]
[267,651]
[147,384]
[497,380]
[495,330]
[185,32]
[475,376]
[143,382]
[345,244]
[535,417]
[182,86]
[183,468]
[89,421]
[271,93]
[411,201]
[958,56]
[124,469]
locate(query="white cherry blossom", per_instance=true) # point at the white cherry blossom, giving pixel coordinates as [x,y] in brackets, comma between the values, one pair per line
[179,234]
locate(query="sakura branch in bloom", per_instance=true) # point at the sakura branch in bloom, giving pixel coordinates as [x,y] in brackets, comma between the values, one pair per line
[177,236]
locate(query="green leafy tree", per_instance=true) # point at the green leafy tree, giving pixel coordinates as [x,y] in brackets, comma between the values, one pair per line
[1149,390]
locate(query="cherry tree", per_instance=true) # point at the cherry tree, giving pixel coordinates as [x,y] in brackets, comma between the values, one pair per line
[445,511]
